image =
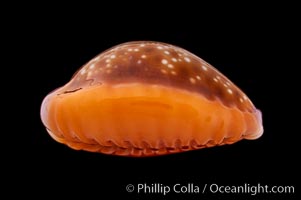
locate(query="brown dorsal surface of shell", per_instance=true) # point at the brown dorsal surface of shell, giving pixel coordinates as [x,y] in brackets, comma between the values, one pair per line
[161,64]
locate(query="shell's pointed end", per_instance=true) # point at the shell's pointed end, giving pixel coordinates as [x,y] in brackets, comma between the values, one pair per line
[259,128]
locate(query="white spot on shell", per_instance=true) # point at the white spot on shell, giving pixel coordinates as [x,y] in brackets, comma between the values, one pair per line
[241,100]
[164,61]
[142,45]
[113,56]
[229,91]
[83,71]
[192,80]
[187,59]
[130,49]
[92,66]
[204,68]
[174,59]
[198,77]
[159,47]
[136,50]
[143,56]
[215,79]
[163,71]
[245,97]
[108,60]
[166,52]
[173,72]
[139,61]
[170,66]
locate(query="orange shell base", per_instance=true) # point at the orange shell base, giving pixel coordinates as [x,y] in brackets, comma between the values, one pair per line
[143,120]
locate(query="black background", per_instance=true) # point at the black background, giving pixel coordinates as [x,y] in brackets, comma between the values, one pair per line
[249,47]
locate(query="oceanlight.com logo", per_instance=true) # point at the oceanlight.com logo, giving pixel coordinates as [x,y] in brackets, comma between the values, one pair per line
[213,188]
